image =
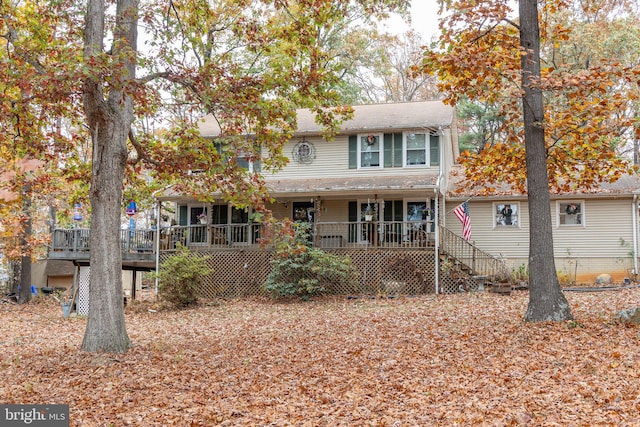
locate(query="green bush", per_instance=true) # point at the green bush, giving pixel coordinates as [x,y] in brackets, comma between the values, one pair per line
[180,276]
[301,270]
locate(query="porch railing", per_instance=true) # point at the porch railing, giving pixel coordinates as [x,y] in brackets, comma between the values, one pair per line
[388,234]
[326,235]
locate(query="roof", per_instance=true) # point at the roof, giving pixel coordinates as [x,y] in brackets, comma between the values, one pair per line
[59,268]
[379,183]
[627,185]
[371,117]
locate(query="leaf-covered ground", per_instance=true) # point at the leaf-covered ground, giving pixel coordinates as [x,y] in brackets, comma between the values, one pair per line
[450,360]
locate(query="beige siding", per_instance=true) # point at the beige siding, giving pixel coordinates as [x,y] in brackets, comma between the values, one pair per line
[332,161]
[602,245]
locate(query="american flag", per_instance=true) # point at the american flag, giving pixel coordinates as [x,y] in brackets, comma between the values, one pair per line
[462,213]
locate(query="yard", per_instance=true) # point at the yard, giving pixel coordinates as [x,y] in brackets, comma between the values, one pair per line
[464,359]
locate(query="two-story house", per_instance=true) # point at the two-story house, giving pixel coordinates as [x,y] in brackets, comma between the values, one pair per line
[373,193]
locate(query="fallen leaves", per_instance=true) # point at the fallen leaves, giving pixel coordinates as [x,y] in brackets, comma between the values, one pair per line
[465,359]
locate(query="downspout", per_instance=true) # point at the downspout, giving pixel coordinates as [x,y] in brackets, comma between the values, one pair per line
[437,213]
[437,244]
[634,216]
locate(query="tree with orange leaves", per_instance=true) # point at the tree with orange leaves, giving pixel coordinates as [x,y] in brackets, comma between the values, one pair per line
[561,125]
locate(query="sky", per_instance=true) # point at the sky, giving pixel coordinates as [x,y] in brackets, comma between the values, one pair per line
[424,19]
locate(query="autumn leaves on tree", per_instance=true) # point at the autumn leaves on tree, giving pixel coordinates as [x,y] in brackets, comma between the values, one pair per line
[564,117]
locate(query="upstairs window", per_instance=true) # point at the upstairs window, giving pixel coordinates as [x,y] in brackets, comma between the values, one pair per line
[369,151]
[421,149]
[415,149]
[243,159]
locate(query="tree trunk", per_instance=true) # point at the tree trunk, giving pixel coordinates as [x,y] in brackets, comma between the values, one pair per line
[546,300]
[24,293]
[109,121]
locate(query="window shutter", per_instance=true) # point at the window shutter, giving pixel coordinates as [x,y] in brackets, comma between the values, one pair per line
[353,152]
[183,218]
[434,150]
[353,218]
[397,150]
[388,150]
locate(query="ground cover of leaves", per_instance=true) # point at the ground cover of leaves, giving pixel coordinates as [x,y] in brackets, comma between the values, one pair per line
[465,360]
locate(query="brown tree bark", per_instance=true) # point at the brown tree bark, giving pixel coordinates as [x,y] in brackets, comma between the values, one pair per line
[546,300]
[109,120]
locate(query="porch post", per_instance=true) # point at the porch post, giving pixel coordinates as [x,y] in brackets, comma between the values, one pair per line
[158,226]
[437,244]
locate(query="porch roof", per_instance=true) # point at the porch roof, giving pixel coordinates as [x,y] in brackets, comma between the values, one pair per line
[380,184]
[368,118]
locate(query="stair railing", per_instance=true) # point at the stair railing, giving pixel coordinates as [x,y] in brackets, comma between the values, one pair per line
[470,259]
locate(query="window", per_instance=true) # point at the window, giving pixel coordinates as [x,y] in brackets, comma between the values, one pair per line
[417,211]
[420,216]
[369,152]
[570,213]
[245,160]
[507,214]
[415,149]
[421,149]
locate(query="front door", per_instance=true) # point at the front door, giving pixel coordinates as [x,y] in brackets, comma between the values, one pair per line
[304,212]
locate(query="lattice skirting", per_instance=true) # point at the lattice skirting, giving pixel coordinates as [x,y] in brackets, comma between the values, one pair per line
[84,275]
[381,271]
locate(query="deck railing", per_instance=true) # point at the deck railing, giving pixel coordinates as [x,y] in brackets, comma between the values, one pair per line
[77,240]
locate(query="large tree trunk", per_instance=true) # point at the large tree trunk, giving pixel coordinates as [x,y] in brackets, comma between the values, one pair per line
[546,300]
[109,121]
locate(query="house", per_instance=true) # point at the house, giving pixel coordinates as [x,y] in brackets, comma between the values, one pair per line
[594,231]
[372,193]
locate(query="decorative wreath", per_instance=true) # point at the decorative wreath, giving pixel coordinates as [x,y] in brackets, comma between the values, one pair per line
[371,139]
[572,209]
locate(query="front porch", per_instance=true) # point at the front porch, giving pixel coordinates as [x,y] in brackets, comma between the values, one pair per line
[391,257]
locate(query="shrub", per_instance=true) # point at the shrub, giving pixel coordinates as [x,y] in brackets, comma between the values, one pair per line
[181,275]
[301,270]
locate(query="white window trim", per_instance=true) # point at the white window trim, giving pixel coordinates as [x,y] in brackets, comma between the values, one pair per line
[380,137]
[494,214]
[427,149]
[583,218]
